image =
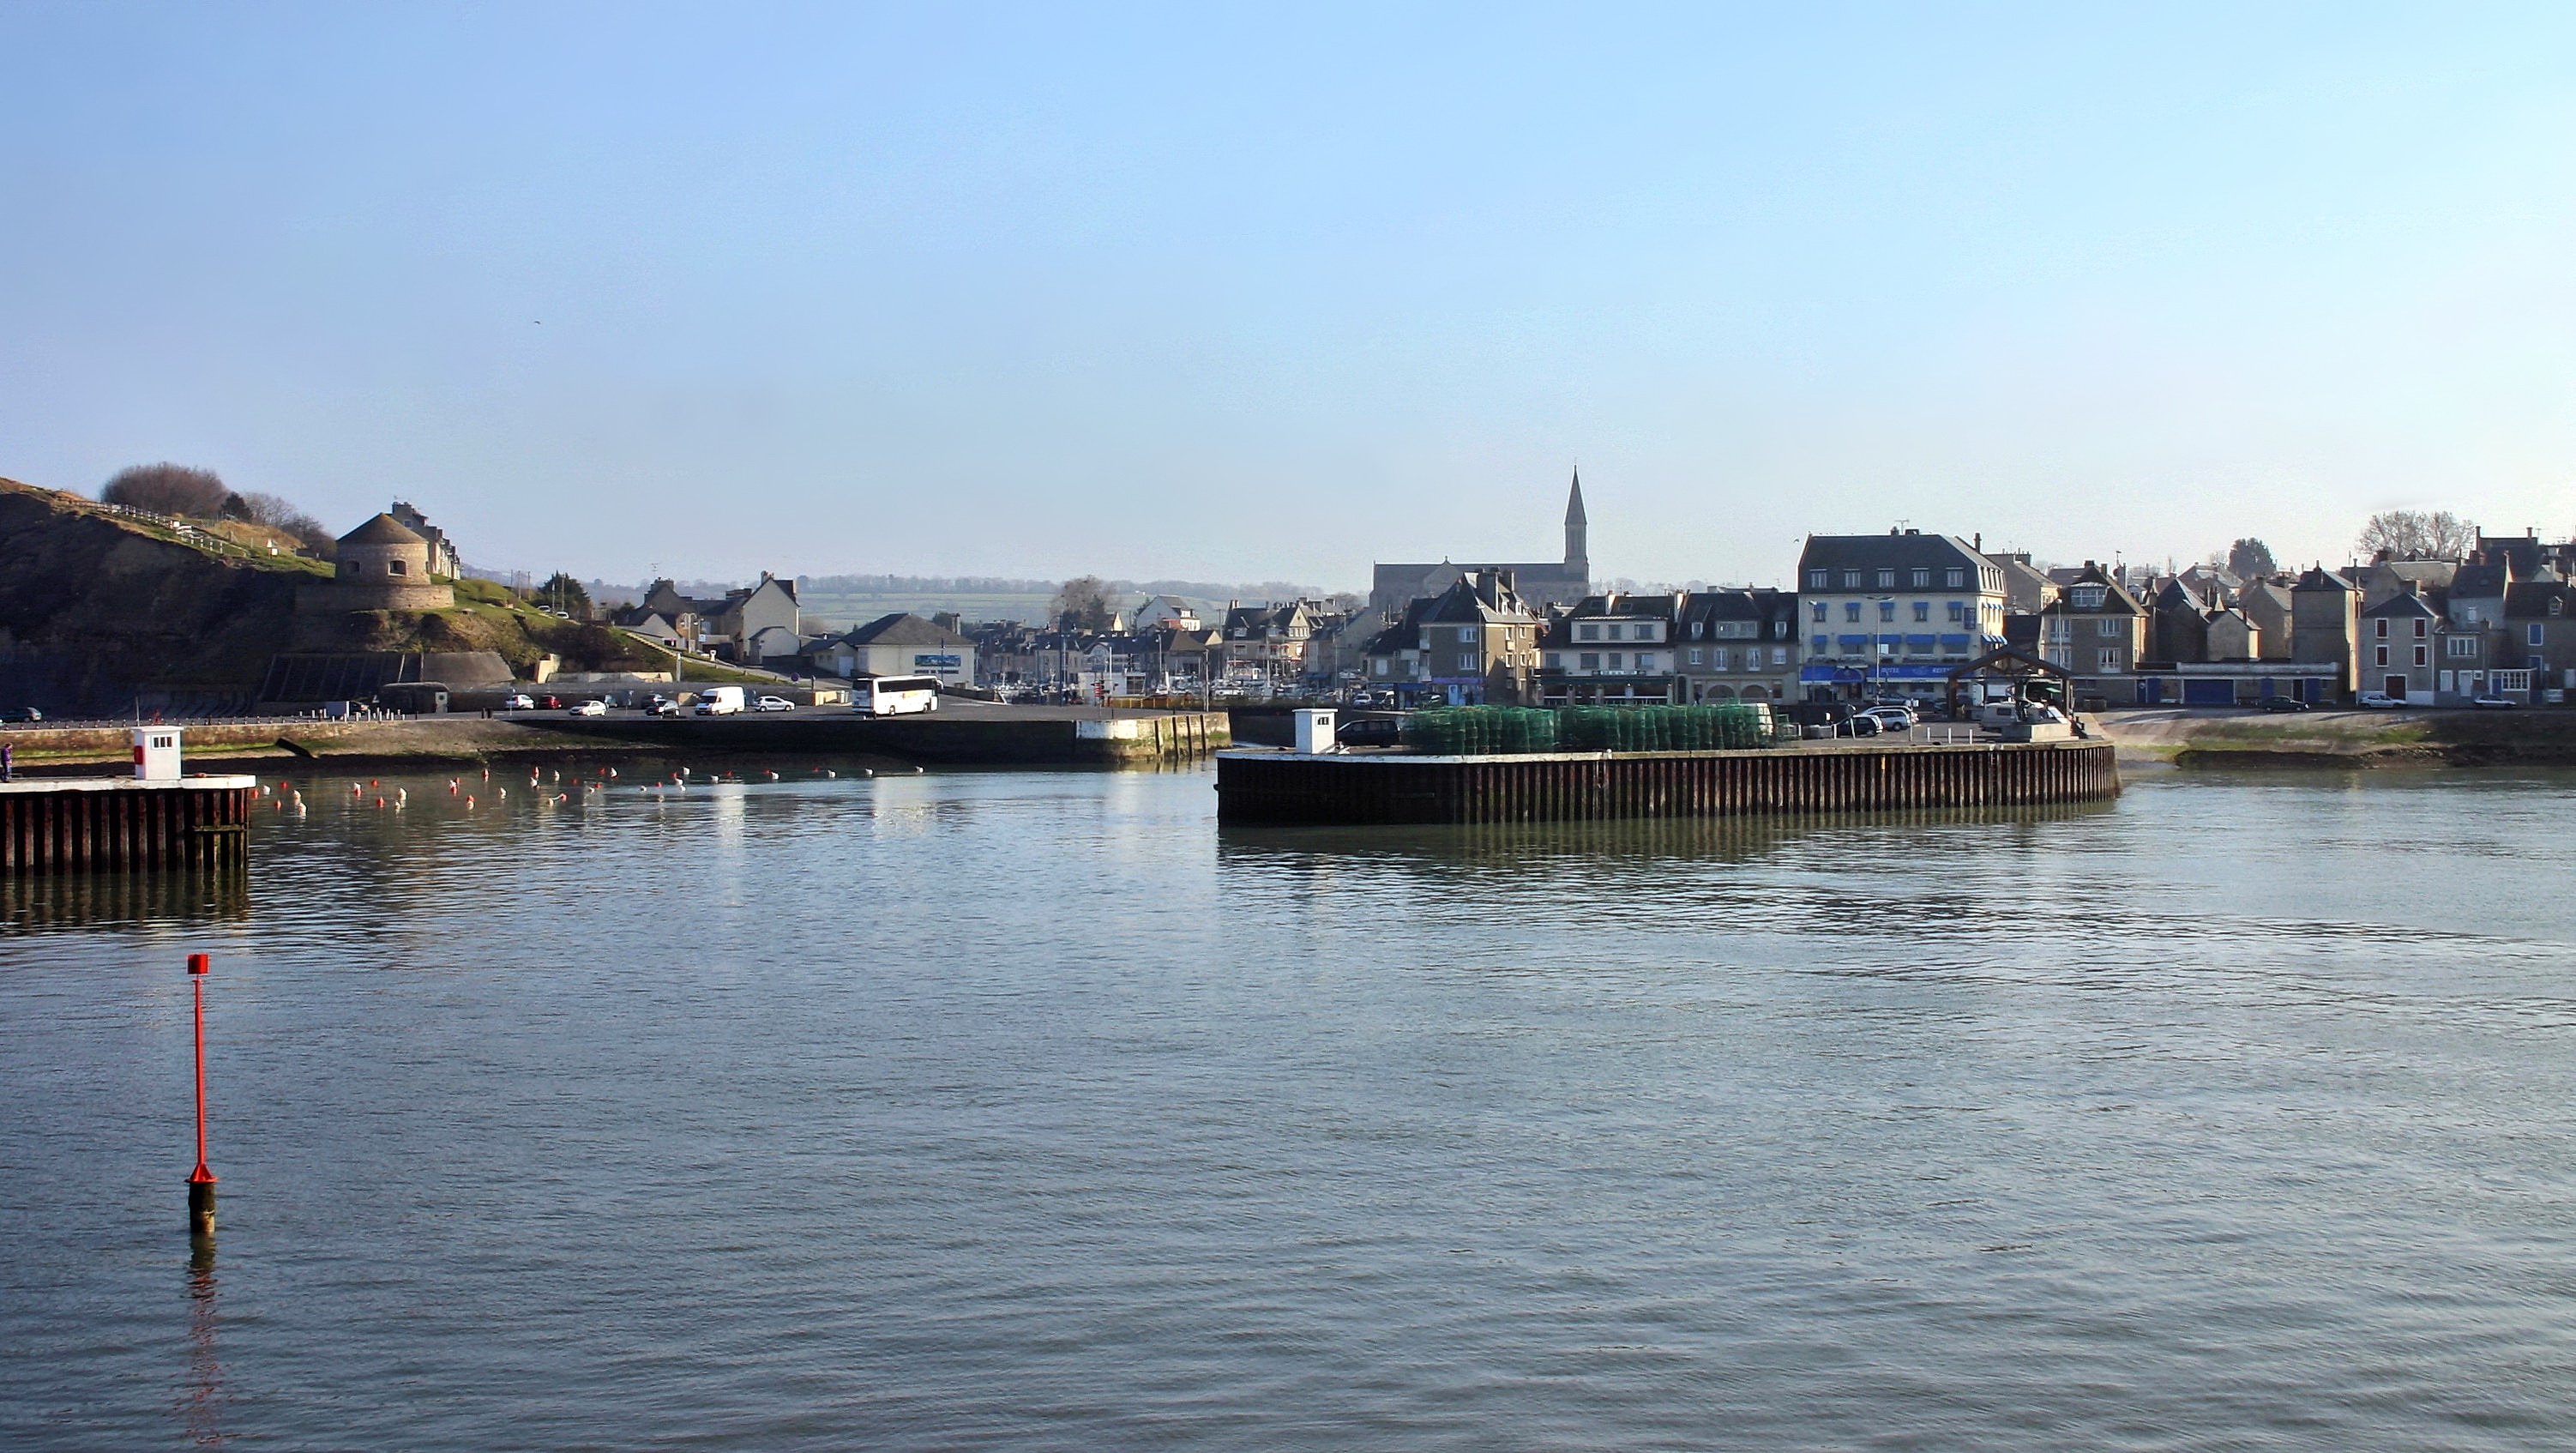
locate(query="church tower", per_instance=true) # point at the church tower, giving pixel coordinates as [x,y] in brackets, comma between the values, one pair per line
[1578,553]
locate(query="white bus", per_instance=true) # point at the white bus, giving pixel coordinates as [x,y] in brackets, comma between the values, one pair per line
[894,695]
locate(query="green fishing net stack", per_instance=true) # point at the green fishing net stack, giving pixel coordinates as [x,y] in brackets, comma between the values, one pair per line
[1721,726]
[1480,731]
[1493,731]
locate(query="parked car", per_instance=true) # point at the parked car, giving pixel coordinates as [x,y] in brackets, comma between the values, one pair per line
[550,703]
[2283,703]
[2380,700]
[25,713]
[520,701]
[1373,731]
[2493,702]
[589,708]
[1892,718]
[1860,724]
[773,703]
[663,706]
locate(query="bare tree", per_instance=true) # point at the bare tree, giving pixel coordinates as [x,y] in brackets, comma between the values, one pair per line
[2416,535]
[169,489]
[1084,604]
[2248,558]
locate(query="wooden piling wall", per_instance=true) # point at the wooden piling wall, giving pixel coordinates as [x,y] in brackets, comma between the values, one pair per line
[92,826]
[1360,788]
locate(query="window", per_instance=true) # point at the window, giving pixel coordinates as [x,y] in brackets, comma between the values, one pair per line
[1466,635]
[1958,611]
[1954,577]
[1698,629]
[2379,656]
[2460,647]
[2531,633]
[1851,580]
[1587,633]
[1816,645]
[1922,608]
[1717,659]
[1887,610]
[1922,579]
[1816,579]
[2110,660]
[1822,611]
[2086,597]
[2379,628]
[1645,660]
[1780,654]
[2108,626]
[1887,580]
[1697,654]
[1615,659]
[2420,625]
[393,567]
[1851,614]
[1378,666]
[1610,632]
[1556,660]
[1591,660]
[2421,653]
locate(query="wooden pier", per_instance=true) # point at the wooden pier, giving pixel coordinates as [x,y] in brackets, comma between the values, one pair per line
[121,824]
[1395,787]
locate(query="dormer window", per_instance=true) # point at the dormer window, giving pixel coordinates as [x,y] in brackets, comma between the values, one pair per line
[2088,597]
[1698,629]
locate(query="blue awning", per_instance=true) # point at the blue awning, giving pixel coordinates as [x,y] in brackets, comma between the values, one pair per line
[1891,640]
[1918,640]
[1851,640]
[1957,640]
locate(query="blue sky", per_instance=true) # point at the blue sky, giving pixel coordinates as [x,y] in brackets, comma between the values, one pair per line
[1263,293]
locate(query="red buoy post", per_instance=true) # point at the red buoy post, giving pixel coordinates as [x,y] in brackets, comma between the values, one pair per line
[201,1181]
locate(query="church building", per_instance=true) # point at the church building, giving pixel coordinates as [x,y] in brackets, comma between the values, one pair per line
[1539,585]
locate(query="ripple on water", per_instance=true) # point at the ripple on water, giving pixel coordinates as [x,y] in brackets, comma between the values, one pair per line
[1032,1110]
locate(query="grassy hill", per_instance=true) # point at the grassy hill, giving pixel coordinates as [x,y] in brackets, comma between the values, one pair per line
[97,603]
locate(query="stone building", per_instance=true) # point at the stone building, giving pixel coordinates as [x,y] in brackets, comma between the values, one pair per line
[2325,624]
[383,565]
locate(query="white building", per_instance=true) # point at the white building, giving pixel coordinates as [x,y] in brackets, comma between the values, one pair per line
[1896,611]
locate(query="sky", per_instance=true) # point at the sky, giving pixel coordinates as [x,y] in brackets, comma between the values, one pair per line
[1257,293]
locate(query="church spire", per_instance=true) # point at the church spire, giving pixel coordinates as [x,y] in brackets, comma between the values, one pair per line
[1578,554]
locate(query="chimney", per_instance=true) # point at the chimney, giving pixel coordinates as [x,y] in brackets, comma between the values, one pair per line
[1980,542]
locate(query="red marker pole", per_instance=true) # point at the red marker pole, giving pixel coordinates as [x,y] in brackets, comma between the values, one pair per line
[201,1181]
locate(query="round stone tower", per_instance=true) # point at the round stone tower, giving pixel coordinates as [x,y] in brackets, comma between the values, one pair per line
[384,565]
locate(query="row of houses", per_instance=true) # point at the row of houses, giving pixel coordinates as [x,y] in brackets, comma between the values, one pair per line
[1898,614]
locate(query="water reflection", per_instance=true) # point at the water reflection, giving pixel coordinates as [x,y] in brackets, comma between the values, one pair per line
[201,1394]
[217,894]
[1721,839]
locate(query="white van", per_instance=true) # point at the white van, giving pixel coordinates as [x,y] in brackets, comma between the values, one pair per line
[894,695]
[720,701]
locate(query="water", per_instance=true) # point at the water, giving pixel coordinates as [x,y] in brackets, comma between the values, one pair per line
[1031,1111]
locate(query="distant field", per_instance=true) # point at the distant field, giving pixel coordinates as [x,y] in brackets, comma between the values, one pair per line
[844,611]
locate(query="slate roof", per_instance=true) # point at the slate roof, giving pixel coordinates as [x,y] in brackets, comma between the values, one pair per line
[2402,604]
[900,629]
[2481,582]
[2532,597]
[1873,552]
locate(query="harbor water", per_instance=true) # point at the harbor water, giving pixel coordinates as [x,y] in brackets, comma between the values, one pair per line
[1034,1110]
